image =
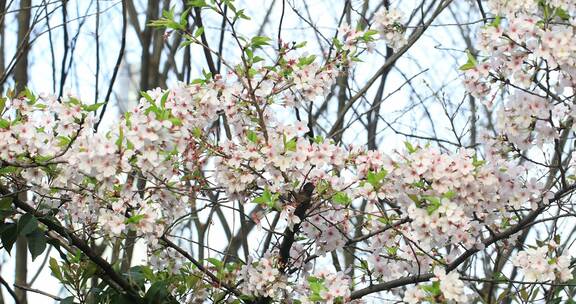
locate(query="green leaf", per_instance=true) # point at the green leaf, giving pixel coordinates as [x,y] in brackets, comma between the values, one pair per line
[505,293]
[316,284]
[435,203]
[306,60]
[252,136]
[42,158]
[557,238]
[433,289]
[409,147]
[2,104]
[6,203]
[562,14]
[217,263]
[197,3]
[184,17]
[337,43]
[148,98]
[392,250]
[259,41]
[240,15]
[135,219]
[467,66]
[301,45]
[207,75]
[120,138]
[289,145]
[67,300]
[4,124]
[163,99]
[524,294]
[369,33]
[267,198]
[157,293]
[120,298]
[316,287]
[198,32]
[136,275]
[449,195]
[30,96]
[55,268]
[27,224]
[535,294]
[63,141]
[249,53]
[470,64]
[92,107]
[477,163]
[8,169]
[374,178]
[175,121]
[75,101]
[496,22]
[36,243]
[341,198]
[197,132]
[8,234]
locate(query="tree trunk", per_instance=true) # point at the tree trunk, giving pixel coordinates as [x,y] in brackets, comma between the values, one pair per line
[21,69]
[21,80]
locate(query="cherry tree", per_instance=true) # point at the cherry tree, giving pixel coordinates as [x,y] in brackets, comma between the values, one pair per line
[239,149]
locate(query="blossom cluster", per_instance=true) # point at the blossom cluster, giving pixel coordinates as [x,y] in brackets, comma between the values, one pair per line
[447,286]
[540,264]
[449,198]
[527,53]
[389,23]
[262,278]
[326,287]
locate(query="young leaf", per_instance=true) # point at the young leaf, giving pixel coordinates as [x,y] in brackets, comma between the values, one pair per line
[341,198]
[259,41]
[470,64]
[55,268]
[198,32]
[93,107]
[197,3]
[4,124]
[409,147]
[252,136]
[2,104]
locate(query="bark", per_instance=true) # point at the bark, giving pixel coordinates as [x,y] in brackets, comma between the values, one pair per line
[21,69]
[2,44]
[21,80]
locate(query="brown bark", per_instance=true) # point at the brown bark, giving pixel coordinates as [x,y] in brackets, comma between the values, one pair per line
[21,69]
[21,80]
[2,44]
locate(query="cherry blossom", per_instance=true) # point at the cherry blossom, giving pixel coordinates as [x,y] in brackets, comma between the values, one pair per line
[540,264]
